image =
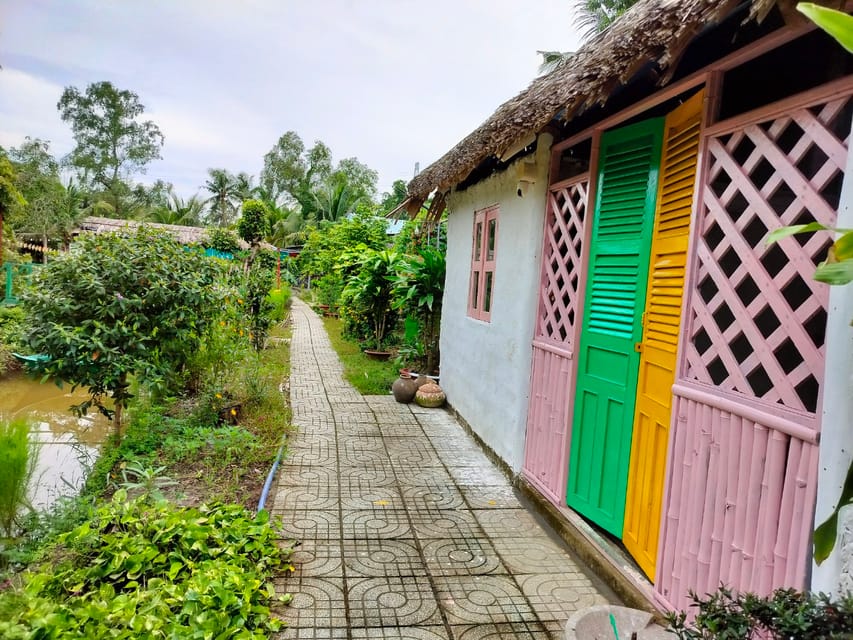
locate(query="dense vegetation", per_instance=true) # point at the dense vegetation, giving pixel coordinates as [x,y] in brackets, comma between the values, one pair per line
[193,347]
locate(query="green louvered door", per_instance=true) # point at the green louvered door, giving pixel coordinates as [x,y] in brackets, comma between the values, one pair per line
[615,298]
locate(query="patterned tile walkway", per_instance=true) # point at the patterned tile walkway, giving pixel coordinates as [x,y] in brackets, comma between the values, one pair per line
[407,530]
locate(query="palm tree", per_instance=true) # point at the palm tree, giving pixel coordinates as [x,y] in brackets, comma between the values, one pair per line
[243,186]
[225,195]
[594,16]
[336,199]
[179,211]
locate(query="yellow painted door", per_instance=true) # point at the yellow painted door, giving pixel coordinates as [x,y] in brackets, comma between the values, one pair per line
[661,323]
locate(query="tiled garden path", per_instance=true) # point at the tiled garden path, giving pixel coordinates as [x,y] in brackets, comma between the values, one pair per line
[407,529]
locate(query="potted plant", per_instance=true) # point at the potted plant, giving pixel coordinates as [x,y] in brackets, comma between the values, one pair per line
[371,290]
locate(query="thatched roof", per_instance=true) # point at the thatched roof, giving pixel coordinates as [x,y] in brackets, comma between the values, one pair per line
[184,235]
[651,31]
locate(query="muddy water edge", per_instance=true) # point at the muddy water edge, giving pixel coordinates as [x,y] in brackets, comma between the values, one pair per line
[68,445]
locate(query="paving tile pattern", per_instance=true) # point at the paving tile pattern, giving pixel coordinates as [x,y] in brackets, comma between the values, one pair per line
[406,529]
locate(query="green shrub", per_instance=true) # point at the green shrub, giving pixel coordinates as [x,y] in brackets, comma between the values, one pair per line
[724,615]
[329,289]
[17,460]
[279,300]
[12,320]
[117,306]
[222,240]
[143,569]
[254,224]
[369,294]
[259,282]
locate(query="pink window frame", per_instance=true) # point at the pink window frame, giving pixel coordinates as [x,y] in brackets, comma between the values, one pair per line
[482,264]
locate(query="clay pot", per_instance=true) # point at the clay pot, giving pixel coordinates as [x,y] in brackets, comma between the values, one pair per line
[422,380]
[430,395]
[404,389]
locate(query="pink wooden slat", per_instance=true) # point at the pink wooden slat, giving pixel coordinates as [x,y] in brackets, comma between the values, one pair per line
[735,460]
[705,530]
[768,518]
[726,452]
[786,511]
[739,539]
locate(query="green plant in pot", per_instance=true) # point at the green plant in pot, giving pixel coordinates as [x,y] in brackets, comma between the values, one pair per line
[371,291]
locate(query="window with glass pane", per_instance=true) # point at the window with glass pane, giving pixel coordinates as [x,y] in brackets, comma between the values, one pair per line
[484,251]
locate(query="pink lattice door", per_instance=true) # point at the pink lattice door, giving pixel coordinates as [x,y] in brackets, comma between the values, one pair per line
[743,455]
[548,421]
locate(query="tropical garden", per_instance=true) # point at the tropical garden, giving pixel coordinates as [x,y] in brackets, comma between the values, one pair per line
[184,347]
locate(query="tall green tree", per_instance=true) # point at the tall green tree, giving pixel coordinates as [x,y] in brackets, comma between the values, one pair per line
[38,180]
[298,172]
[9,194]
[361,179]
[395,197]
[225,196]
[111,141]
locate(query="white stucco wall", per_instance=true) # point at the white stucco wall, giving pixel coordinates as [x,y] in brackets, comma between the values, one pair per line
[485,366]
[835,575]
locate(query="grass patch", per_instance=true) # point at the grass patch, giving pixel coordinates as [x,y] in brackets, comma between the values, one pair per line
[369,377]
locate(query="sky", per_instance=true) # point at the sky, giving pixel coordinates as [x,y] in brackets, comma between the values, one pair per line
[391,82]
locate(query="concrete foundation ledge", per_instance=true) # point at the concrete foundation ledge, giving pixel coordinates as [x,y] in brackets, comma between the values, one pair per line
[594,623]
[598,553]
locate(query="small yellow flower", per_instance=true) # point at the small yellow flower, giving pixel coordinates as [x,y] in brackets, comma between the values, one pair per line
[239,301]
[219,396]
[222,323]
[233,412]
[241,333]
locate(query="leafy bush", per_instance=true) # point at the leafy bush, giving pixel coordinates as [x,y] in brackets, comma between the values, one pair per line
[419,290]
[723,615]
[17,460]
[369,293]
[254,224]
[12,321]
[279,300]
[142,569]
[329,289]
[259,282]
[119,305]
[222,240]
[325,244]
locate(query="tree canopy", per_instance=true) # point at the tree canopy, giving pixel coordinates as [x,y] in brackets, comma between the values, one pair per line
[111,141]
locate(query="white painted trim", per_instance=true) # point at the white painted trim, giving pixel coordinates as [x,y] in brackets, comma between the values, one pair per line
[836,438]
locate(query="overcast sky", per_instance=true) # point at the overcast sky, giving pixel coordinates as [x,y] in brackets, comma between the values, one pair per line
[393,82]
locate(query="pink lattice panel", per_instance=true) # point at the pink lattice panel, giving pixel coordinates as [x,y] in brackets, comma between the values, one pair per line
[757,318]
[558,299]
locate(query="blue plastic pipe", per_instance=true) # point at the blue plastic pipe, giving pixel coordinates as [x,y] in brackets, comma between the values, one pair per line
[271,475]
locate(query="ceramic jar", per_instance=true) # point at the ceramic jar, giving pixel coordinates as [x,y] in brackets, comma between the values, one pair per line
[404,388]
[430,395]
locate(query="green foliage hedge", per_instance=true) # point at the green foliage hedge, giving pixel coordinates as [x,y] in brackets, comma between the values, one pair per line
[139,569]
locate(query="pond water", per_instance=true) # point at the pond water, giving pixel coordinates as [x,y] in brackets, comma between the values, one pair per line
[69,445]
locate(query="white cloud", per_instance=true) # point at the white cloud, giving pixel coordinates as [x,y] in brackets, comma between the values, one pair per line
[392,82]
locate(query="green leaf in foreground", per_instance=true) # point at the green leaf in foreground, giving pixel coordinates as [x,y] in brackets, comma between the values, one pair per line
[826,533]
[836,23]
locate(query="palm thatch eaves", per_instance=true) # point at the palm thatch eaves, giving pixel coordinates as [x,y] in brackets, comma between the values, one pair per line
[651,31]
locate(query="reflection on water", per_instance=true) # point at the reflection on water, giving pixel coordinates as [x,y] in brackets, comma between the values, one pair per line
[69,444]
